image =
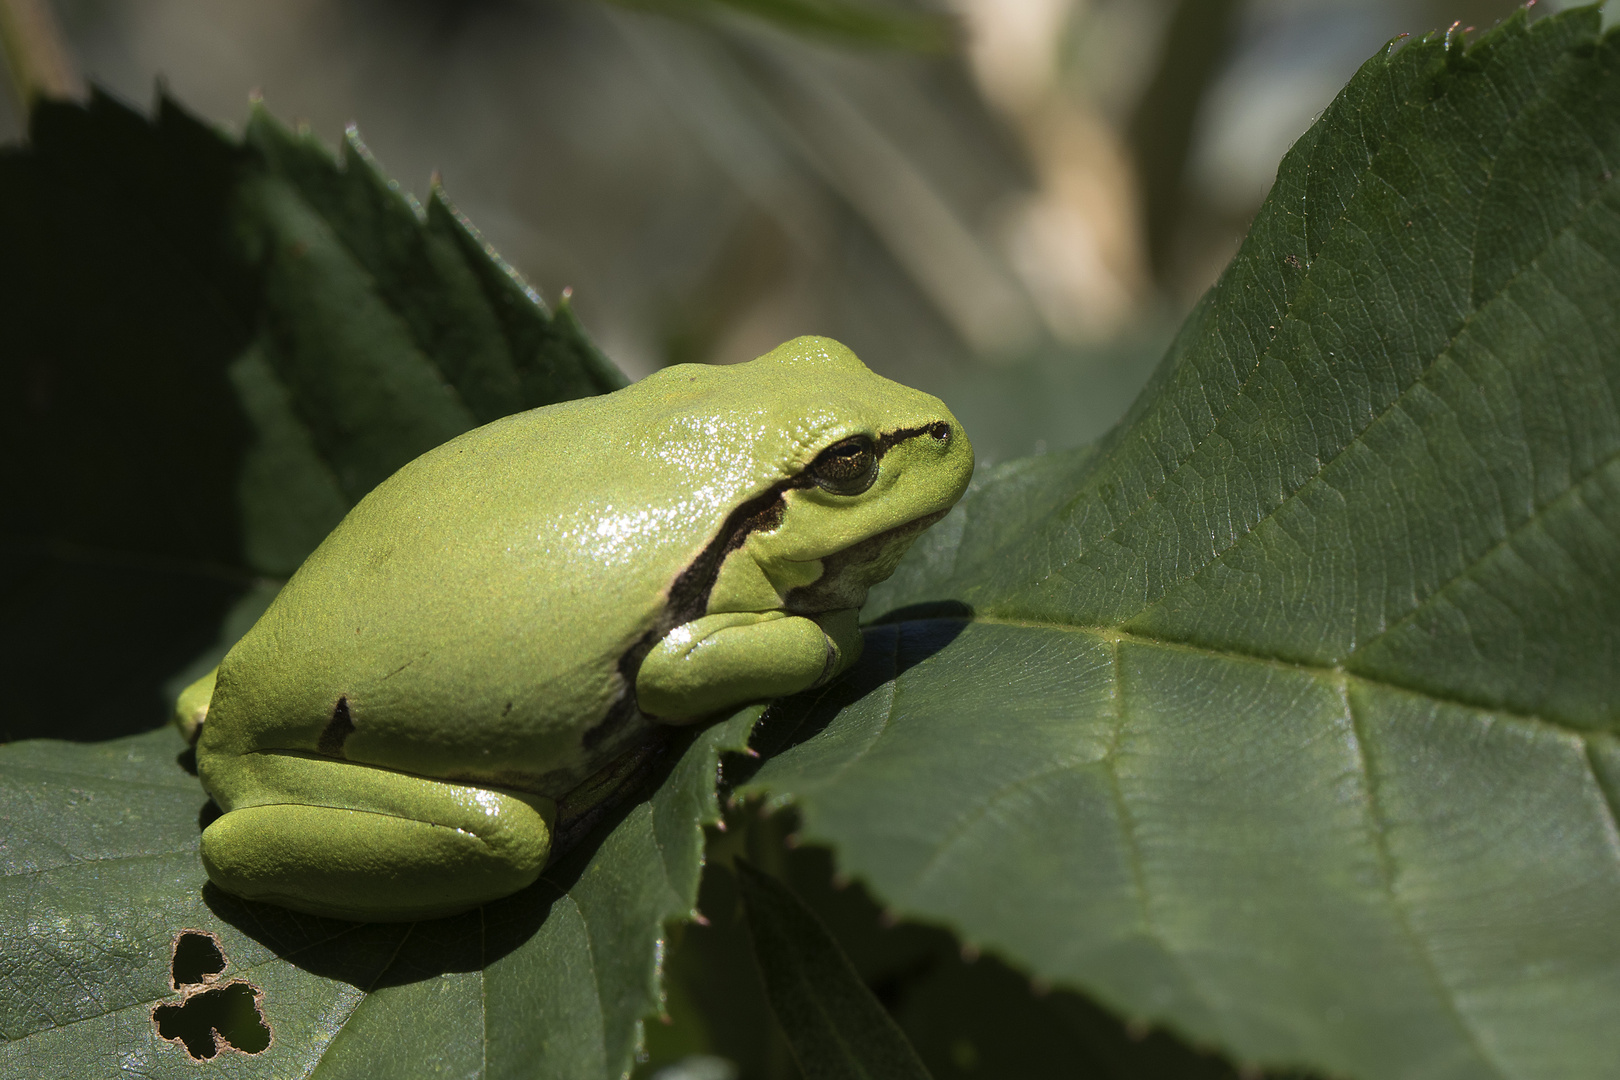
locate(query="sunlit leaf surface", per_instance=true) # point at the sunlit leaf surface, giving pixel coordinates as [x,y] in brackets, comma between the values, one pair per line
[1286,716]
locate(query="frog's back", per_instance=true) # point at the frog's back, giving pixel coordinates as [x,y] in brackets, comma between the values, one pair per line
[481,614]
[471,616]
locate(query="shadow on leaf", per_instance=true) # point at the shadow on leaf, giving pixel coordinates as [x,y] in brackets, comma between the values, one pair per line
[371,956]
[904,639]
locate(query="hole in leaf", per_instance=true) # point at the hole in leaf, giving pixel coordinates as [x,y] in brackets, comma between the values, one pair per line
[197,958]
[224,1017]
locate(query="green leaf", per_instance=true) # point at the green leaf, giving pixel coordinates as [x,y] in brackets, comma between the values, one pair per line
[966,1015]
[390,330]
[209,350]
[99,877]
[1286,715]
[213,350]
[837,1029]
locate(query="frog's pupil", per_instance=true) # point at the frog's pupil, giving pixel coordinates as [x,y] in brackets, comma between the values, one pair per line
[844,465]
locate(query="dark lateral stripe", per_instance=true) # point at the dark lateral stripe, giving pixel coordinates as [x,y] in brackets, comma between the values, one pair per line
[689,595]
[939,429]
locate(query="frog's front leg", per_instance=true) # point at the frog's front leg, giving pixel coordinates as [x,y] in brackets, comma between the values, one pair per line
[729,658]
[338,838]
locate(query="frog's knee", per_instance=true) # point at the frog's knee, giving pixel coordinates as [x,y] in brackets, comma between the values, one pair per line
[364,865]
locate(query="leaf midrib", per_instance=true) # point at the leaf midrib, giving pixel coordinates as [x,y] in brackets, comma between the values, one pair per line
[74,864]
[1334,674]
[1389,871]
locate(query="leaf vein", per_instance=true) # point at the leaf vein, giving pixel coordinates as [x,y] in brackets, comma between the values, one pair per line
[1314,670]
[1395,407]
[1388,872]
[1133,850]
[1611,831]
[74,864]
[1537,514]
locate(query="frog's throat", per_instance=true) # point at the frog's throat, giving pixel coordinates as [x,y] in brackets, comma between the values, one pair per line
[848,573]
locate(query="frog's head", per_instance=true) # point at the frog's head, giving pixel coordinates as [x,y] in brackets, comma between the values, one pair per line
[848,468]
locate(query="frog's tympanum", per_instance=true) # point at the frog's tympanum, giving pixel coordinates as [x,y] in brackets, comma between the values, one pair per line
[512,611]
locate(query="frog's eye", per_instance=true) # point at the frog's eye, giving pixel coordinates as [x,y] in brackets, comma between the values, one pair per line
[847,467]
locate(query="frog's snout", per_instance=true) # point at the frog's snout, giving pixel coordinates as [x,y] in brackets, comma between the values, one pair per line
[939,461]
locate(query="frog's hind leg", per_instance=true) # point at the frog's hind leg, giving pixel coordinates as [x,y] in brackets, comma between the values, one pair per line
[354,842]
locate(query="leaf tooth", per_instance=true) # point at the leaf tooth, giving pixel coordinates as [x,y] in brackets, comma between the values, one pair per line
[360,165]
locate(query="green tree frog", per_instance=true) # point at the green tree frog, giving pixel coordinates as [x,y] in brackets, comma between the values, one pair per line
[513,610]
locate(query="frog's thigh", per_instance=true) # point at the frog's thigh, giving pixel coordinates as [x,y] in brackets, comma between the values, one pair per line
[726,659]
[398,847]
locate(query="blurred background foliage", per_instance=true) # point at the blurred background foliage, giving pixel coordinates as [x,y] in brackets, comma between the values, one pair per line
[1010,203]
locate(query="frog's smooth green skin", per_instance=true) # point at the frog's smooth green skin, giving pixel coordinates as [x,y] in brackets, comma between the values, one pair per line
[510,611]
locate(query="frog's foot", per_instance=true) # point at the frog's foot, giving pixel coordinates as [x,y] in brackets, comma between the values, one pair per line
[392,847]
[724,660]
[191,707]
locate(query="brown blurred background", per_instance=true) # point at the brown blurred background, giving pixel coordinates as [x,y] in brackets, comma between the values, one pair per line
[1017,224]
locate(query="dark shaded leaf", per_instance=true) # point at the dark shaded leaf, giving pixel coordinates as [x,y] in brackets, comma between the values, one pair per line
[119,308]
[837,1029]
[208,352]
[965,1015]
